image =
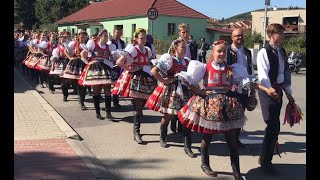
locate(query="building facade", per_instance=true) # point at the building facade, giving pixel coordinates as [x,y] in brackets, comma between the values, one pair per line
[131,15]
[294,20]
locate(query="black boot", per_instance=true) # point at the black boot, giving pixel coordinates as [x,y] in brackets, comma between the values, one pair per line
[115,99]
[81,95]
[107,102]
[136,129]
[180,127]
[64,88]
[173,125]
[97,107]
[265,159]
[236,172]
[240,144]
[234,157]
[205,166]
[163,135]
[187,142]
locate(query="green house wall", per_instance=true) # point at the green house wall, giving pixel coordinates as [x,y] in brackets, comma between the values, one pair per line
[158,27]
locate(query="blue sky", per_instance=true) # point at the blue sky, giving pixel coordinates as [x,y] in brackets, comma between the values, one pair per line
[227,8]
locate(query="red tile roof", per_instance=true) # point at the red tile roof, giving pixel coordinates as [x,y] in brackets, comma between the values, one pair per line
[126,8]
[227,30]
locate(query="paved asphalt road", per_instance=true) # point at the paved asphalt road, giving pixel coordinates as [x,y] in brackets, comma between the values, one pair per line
[112,142]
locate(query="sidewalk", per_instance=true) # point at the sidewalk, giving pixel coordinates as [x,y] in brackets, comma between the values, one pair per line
[42,149]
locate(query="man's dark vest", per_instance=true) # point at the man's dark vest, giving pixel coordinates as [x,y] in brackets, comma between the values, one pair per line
[232,58]
[272,54]
[116,43]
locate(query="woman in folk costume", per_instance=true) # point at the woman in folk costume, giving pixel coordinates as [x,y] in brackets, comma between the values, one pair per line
[76,65]
[42,67]
[34,56]
[59,63]
[98,73]
[170,95]
[214,108]
[136,80]
[45,63]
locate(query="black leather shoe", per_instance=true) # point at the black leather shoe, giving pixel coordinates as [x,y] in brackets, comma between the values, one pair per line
[65,99]
[207,169]
[99,117]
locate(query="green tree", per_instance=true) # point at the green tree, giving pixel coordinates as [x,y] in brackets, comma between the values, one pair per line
[24,12]
[50,11]
[251,38]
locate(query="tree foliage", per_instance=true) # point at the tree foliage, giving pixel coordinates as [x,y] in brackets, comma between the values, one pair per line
[39,13]
[251,38]
[24,12]
[295,43]
[50,11]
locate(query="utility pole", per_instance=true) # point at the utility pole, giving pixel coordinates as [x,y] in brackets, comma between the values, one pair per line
[267,3]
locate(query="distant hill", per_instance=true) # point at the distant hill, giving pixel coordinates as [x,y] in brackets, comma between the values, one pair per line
[239,17]
[247,15]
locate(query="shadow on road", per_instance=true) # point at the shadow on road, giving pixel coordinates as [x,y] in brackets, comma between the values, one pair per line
[285,171]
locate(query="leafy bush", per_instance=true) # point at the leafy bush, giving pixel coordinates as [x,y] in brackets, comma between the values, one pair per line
[162,46]
[49,27]
[295,43]
[251,38]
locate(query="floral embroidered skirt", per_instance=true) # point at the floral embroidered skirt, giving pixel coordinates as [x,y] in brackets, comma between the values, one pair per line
[136,85]
[215,113]
[74,69]
[58,67]
[32,60]
[169,99]
[97,73]
[44,64]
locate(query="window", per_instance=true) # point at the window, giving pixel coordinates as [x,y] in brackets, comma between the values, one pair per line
[134,26]
[97,30]
[118,26]
[171,28]
[290,23]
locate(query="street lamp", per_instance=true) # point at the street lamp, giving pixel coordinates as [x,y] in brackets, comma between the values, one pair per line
[267,3]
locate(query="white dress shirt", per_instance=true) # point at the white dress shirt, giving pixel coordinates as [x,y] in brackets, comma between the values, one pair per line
[263,67]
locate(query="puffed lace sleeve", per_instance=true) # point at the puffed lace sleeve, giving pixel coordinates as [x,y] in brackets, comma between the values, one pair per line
[90,45]
[43,45]
[129,53]
[195,72]
[70,47]
[164,63]
[55,54]
[239,72]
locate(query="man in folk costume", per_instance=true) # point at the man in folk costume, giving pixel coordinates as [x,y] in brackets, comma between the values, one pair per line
[273,73]
[120,45]
[236,53]
[76,66]
[98,72]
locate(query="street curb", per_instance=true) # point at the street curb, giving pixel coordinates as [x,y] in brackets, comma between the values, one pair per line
[61,123]
[95,166]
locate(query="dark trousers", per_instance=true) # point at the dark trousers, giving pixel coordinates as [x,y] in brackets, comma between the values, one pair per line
[273,127]
[202,57]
